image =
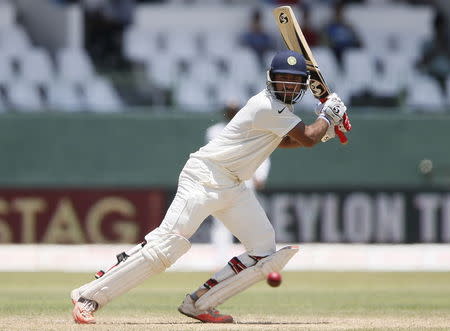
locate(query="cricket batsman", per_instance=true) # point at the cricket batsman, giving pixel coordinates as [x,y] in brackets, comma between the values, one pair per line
[212,183]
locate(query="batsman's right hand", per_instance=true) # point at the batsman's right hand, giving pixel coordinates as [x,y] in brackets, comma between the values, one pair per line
[331,132]
[345,125]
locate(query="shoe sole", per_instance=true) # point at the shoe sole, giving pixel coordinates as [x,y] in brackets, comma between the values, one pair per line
[195,317]
[78,320]
[74,295]
[188,315]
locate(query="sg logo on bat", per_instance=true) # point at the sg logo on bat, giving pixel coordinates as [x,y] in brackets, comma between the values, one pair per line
[316,87]
[283,18]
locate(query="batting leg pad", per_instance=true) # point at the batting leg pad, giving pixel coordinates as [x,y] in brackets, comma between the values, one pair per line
[153,258]
[246,278]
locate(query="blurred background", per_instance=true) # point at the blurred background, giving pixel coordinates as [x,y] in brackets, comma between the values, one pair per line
[101,102]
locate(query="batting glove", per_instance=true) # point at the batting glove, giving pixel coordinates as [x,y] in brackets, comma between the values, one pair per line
[331,132]
[333,110]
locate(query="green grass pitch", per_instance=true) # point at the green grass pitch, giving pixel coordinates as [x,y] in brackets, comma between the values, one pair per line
[304,301]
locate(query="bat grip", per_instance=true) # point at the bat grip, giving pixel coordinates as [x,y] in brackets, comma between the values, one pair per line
[341,135]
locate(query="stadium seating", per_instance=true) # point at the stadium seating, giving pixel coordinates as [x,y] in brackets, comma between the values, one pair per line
[193,96]
[205,70]
[74,65]
[32,81]
[203,48]
[37,67]
[328,64]
[244,66]
[23,96]
[232,90]
[393,77]
[162,69]
[220,43]
[424,94]
[359,68]
[101,96]
[7,14]
[13,40]
[6,68]
[383,66]
[138,44]
[65,96]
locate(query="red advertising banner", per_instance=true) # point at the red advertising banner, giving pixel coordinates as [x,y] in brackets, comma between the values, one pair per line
[78,216]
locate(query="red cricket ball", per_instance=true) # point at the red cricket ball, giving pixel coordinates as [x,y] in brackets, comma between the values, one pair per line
[274,279]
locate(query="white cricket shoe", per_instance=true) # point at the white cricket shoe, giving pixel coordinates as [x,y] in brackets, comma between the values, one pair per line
[188,308]
[75,295]
[83,310]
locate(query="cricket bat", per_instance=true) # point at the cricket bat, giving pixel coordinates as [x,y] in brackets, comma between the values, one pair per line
[293,38]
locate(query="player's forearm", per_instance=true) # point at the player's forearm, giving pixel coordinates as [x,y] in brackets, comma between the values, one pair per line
[305,135]
[288,142]
[315,132]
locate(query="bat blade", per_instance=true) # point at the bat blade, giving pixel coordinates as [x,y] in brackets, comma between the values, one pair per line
[295,40]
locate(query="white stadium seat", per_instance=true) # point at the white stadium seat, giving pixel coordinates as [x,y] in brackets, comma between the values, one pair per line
[220,43]
[7,14]
[37,66]
[23,96]
[101,96]
[232,89]
[327,64]
[244,66]
[139,44]
[14,41]
[424,94]
[193,97]
[182,43]
[6,68]
[394,77]
[63,96]
[204,71]
[74,65]
[359,69]
[162,69]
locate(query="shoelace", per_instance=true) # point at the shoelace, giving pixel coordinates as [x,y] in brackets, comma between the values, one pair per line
[89,305]
[213,311]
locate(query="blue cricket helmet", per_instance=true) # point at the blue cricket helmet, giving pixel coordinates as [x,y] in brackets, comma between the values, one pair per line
[288,62]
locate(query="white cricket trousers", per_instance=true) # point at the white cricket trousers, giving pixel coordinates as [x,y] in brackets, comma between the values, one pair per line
[236,206]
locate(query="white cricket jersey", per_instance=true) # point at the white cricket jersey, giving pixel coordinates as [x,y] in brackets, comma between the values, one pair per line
[213,131]
[249,138]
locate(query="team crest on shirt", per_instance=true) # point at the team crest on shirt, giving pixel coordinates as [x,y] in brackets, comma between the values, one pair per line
[292,60]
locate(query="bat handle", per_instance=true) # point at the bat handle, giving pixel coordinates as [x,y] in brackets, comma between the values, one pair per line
[341,135]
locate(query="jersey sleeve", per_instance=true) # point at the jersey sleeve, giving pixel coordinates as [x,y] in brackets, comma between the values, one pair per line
[279,121]
[262,172]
